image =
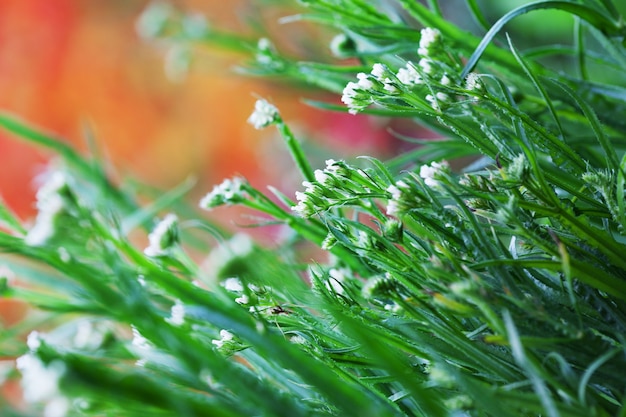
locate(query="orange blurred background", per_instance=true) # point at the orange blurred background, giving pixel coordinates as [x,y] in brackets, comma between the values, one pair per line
[70,64]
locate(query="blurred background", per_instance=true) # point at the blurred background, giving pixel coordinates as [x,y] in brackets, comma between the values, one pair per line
[78,67]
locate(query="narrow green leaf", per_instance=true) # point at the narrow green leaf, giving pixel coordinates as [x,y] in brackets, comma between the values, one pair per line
[612,161]
[535,80]
[589,14]
[479,17]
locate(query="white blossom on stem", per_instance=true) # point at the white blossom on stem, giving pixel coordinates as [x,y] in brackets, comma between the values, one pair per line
[264,114]
[163,237]
[431,173]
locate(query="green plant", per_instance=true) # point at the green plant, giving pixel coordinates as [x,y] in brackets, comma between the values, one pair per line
[495,289]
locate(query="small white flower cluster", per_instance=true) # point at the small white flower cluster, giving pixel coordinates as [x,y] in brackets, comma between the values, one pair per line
[177,314]
[264,114]
[309,201]
[473,82]
[230,191]
[437,100]
[90,335]
[408,75]
[357,95]
[40,381]
[380,72]
[432,173]
[163,237]
[430,46]
[265,49]
[335,184]
[431,51]
[225,338]
[382,82]
[235,285]
[397,203]
[51,204]
[141,346]
[267,56]
[430,41]
[405,195]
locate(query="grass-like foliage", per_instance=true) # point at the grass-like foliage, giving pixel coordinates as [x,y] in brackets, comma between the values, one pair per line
[497,289]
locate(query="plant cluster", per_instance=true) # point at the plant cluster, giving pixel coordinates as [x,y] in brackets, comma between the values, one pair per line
[494,289]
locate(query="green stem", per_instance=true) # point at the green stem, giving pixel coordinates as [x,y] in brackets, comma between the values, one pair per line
[296,152]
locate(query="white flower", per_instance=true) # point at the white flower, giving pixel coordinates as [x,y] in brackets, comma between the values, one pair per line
[64,254]
[57,407]
[321,176]
[139,341]
[40,383]
[364,240]
[232,284]
[264,44]
[177,314]
[393,208]
[230,191]
[349,93]
[364,82]
[45,227]
[163,237]
[154,19]
[378,71]
[54,185]
[51,204]
[426,65]
[336,167]
[429,38]
[445,80]
[472,82]
[395,191]
[356,95]
[397,203]
[429,173]
[306,206]
[436,100]
[409,75]
[264,114]
[298,340]
[33,341]
[243,299]
[265,52]
[88,336]
[388,86]
[225,336]
[141,346]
